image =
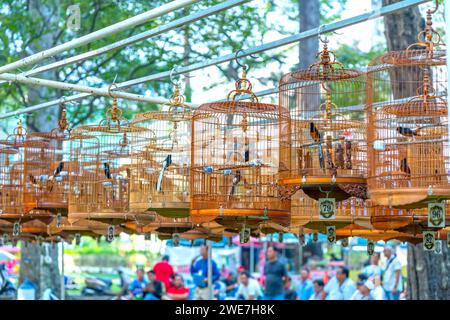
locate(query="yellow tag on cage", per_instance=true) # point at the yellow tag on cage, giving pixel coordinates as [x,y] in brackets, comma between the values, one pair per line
[331,234]
[429,240]
[370,247]
[436,215]
[327,208]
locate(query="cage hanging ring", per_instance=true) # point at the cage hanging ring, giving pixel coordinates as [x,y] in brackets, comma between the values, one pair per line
[109,89]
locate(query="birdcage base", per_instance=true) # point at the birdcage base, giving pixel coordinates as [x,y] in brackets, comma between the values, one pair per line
[171,210]
[374,235]
[408,198]
[45,217]
[113,218]
[174,227]
[390,222]
[268,227]
[322,187]
[195,234]
[54,207]
[236,217]
[136,228]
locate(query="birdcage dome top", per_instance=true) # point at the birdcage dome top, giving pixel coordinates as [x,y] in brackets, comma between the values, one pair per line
[250,108]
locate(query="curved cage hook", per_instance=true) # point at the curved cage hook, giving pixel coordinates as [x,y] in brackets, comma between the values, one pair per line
[243,66]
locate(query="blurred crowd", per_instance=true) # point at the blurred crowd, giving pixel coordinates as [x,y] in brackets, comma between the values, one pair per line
[374,282]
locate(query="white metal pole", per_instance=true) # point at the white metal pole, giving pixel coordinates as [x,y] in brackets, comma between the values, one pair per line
[210,282]
[63,287]
[138,37]
[447,36]
[252,257]
[80,88]
[99,34]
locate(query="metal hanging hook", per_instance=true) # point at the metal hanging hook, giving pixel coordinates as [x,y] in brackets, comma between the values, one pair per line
[177,83]
[109,90]
[319,34]
[435,7]
[243,66]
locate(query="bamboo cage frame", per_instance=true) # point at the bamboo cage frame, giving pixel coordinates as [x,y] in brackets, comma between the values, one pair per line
[237,151]
[409,149]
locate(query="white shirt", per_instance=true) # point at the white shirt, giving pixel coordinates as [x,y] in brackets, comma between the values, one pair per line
[392,265]
[378,293]
[252,289]
[356,296]
[316,296]
[340,292]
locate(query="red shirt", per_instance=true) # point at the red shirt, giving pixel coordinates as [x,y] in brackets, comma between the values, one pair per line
[164,272]
[175,290]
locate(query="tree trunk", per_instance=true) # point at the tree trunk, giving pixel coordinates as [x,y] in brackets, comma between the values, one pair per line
[309,18]
[309,15]
[39,263]
[428,276]
[186,57]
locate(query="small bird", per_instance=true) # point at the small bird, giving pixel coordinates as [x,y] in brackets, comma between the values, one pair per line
[107,170]
[236,180]
[246,153]
[348,154]
[339,156]
[404,167]
[316,136]
[32,179]
[166,163]
[407,132]
[58,169]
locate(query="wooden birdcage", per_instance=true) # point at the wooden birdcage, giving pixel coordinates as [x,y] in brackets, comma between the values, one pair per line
[89,228]
[12,180]
[329,153]
[349,212]
[46,169]
[238,149]
[161,166]
[408,117]
[101,155]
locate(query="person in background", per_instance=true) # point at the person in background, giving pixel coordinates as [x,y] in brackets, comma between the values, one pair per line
[305,285]
[392,277]
[158,286]
[378,291]
[357,295]
[373,269]
[137,286]
[177,291]
[340,287]
[365,291]
[289,292]
[164,271]
[274,273]
[319,293]
[224,272]
[249,288]
[199,271]
[149,292]
[231,285]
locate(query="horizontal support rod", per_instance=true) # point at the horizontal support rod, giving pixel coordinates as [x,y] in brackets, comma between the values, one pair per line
[138,37]
[76,87]
[99,34]
[392,8]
